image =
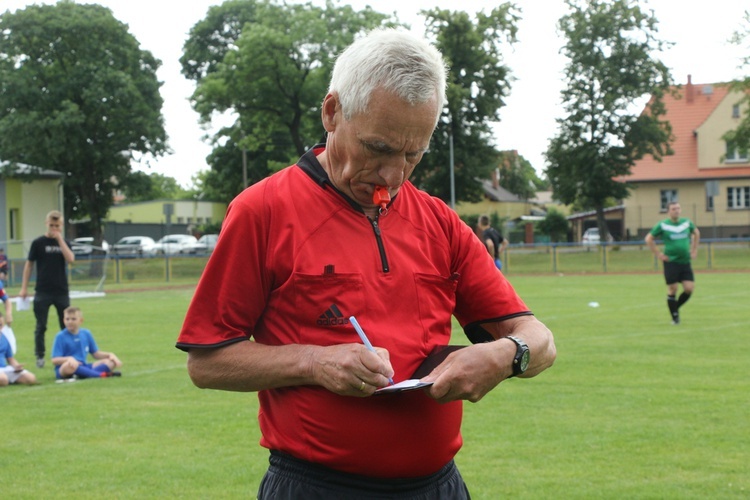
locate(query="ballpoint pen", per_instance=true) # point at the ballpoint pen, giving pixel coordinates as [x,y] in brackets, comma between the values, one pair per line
[364,338]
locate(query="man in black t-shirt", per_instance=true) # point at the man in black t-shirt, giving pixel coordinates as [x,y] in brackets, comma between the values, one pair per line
[51,253]
[492,239]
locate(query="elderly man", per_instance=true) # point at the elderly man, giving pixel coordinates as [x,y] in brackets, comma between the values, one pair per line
[344,233]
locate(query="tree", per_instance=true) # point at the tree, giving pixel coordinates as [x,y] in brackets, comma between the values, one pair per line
[268,65]
[78,95]
[140,186]
[477,86]
[740,137]
[554,224]
[611,66]
[518,176]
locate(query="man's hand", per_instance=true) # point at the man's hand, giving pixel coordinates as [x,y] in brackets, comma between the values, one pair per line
[350,369]
[472,372]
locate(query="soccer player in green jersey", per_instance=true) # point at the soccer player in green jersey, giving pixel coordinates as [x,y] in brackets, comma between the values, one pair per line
[681,239]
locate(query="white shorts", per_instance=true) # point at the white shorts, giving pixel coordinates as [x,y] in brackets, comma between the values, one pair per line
[12,374]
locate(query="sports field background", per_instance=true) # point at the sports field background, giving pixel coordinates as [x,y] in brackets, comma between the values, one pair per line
[634,407]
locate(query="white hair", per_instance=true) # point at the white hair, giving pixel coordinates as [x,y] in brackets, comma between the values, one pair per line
[394,60]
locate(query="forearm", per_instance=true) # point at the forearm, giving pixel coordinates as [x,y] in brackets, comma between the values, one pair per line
[68,254]
[26,275]
[535,334]
[248,366]
[652,245]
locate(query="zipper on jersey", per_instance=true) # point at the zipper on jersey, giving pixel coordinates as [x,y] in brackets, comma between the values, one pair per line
[379,240]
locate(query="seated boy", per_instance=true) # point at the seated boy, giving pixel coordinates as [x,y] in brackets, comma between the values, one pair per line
[72,346]
[11,371]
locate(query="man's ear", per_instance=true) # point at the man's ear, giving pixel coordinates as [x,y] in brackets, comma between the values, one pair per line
[329,112]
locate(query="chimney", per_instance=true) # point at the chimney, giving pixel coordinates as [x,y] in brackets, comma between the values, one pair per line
[689,90]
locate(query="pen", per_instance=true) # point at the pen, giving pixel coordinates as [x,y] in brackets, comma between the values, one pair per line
[364,338]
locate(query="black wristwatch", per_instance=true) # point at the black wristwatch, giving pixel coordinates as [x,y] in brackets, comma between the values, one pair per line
[521,359]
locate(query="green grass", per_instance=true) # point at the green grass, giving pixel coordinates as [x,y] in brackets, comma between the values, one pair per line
[633,408]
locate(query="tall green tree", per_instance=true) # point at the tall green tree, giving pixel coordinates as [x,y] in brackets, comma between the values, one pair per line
[740,136]
[268,66]
[478,84]
[518,176]
[78,95]
[610,47]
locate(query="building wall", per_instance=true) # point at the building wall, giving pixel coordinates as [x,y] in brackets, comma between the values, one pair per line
[504,210]
[184,212]
[643,208]
[711,146]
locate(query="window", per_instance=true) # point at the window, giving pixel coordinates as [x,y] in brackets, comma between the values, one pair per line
[14,220]
[736,111]
[667,197]
[709,203]
[735,155]
[738,197]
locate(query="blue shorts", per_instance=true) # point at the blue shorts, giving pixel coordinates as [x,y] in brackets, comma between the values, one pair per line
[60,377]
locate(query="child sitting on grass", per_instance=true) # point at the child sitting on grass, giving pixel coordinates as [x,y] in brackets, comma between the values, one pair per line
[11,371]
[71,349]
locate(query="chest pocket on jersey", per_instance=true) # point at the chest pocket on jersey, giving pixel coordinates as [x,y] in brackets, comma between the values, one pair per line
[436,301]
[323,306]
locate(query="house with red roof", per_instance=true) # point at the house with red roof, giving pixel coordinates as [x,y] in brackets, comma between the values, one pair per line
[709,177]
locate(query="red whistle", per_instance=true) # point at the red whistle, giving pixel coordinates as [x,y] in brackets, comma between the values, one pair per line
[381,197]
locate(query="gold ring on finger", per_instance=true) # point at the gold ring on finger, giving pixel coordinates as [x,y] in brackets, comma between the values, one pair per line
[362,386]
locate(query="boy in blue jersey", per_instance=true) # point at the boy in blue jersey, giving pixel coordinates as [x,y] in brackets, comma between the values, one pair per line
[11,371]
[72,347]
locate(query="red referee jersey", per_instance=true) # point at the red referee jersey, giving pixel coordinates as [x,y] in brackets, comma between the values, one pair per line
[295,259]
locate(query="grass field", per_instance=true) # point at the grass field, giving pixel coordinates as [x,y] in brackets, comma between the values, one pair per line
[633,408]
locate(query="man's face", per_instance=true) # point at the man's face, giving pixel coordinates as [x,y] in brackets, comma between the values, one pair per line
[54,226]
[674,211]
[380,147]
[73,321]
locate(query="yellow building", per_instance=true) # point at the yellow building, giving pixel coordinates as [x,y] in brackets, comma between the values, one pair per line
[710,178]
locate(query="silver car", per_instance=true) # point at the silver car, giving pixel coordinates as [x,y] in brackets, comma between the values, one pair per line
[134,246]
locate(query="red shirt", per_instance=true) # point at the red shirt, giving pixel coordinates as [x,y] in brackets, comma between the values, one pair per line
[295,259]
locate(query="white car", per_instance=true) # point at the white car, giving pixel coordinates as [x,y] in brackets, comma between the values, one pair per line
[85,246]
[171,244]
[591,236]
[134,246]
[204,245]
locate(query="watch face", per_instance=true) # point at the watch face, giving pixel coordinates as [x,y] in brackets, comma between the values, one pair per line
[525,360]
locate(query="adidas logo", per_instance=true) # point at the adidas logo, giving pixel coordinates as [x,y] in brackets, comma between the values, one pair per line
[332,316]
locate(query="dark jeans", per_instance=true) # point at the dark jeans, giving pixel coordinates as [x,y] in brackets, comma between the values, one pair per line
[42,303]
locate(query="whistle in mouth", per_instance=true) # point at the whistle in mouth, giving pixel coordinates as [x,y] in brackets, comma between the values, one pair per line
[381,197]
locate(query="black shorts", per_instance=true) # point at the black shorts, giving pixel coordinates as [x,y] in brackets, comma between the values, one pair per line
[289,478]
[677,273]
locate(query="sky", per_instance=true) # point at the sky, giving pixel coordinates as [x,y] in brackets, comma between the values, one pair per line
[700,33]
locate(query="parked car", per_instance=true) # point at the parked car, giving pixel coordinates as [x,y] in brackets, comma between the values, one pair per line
[204,245]
[84,246]
[171,244]
[591,236]
[134,246]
